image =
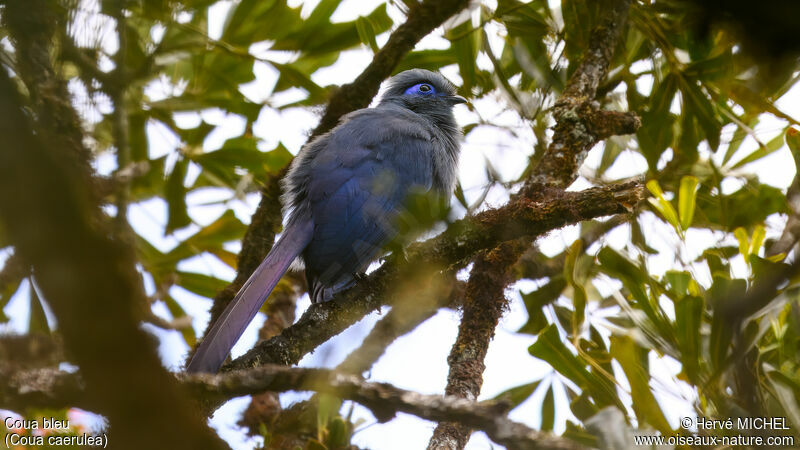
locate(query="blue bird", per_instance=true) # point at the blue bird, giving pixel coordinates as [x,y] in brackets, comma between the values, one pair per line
[343,194]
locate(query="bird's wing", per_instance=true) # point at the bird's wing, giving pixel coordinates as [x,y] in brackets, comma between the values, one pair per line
[359,183]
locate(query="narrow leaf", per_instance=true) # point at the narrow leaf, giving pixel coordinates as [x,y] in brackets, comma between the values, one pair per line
[632,360]
[662,205]
[366,32]
[687,195]
[548,410]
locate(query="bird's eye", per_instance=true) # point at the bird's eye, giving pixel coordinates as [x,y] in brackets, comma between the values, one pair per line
[421,89]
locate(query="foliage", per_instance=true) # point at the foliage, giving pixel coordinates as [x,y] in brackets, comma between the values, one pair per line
[614,309]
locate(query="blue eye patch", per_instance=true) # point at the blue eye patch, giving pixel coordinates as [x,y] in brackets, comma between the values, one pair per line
[421,89]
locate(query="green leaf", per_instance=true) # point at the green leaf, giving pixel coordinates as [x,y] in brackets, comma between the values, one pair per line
[177,311]
[327,409]
[292,76]
[431,59]
[580,435]
[536,300]
[688,321]
[611,150]
[793,141]
[770,147]
[465,42]
[655,135]
[580,17]
[662,205]
[711,69]
[757,240]
[548,410]
[220,166]
[722,290]
[578,292]
[252,21]
[338,437]
[686,200]
[366,32]
[785,390]
[635,279]
[518,394]
[701,107]
[747,207]
[152,183]
[633,361]
[678,282]
[736,140]
[755,102]
[744,241]
[548,347]
[175,195]
[318,36]
[202,285]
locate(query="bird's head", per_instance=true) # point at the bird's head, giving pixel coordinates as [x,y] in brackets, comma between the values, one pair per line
[423,92]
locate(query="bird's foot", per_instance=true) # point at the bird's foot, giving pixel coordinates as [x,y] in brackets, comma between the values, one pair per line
[359,277]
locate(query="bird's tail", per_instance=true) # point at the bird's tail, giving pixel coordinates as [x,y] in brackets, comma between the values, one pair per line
[240,311]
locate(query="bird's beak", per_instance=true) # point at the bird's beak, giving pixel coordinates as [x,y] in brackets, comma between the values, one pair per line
[456,99]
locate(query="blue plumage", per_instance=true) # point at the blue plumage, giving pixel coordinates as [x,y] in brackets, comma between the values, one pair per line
[343,194]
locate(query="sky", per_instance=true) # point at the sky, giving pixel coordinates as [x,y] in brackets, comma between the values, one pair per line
[426,348]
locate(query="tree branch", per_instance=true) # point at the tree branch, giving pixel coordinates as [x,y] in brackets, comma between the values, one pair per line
[452,250]
[579,122]
[46,388]
[484,304]
[384,400]
[50,388]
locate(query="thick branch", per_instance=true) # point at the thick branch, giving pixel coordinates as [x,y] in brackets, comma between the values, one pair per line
[452,249]
[30,350]
[53,388]
[580,124]
[484,304]
[47,388]
[384,400]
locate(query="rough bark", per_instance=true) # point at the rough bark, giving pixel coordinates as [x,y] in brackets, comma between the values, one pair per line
[384,400]
[484,304]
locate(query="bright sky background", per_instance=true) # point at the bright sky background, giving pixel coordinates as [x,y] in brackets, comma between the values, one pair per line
[417,361]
